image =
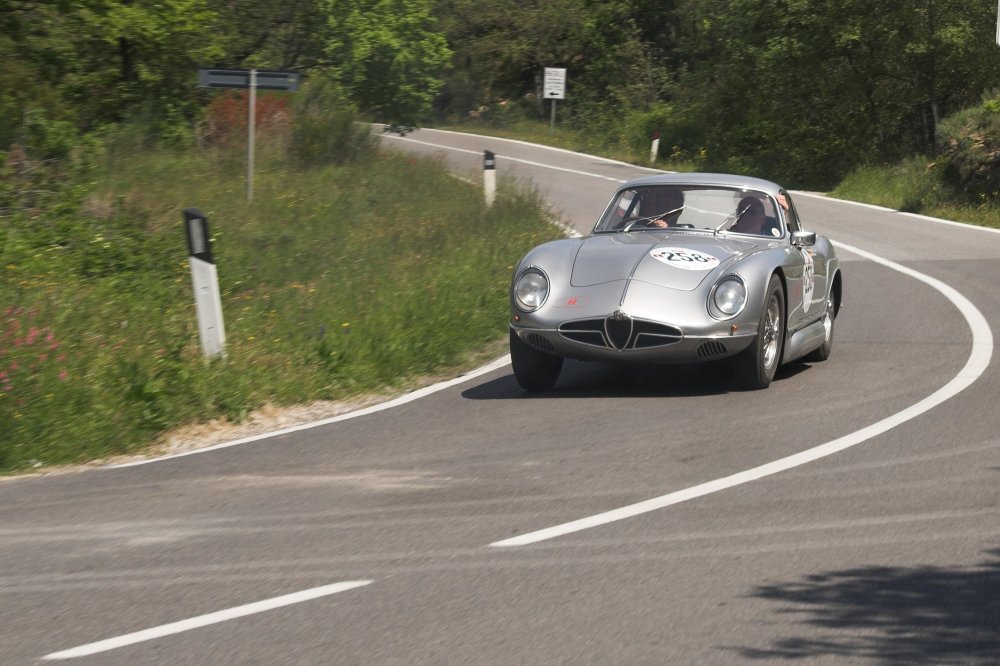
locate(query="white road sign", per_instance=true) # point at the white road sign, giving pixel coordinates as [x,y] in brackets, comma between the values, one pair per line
[555,83]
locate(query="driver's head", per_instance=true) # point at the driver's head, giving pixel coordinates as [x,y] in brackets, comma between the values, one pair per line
[752,217]
[663,200]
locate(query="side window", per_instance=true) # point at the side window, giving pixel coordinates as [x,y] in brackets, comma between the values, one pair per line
[791,217]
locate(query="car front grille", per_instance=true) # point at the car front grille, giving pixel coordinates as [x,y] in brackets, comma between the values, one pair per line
[621,332]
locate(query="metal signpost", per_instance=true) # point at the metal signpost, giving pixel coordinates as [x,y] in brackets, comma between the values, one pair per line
[554,87]
[252,79]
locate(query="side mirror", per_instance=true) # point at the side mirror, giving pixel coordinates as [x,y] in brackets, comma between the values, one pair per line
[803,238]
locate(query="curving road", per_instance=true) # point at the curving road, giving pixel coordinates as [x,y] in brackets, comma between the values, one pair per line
[848,514]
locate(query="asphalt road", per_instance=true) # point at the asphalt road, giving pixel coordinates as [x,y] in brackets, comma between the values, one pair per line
[847,514]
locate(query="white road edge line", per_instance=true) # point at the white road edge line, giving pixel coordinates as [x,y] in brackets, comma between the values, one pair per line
[205,620]
[979,359]
[916,216]
[396,402]
[519,142]
[512,159]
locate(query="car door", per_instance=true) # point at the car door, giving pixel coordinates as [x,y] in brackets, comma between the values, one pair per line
[808,280]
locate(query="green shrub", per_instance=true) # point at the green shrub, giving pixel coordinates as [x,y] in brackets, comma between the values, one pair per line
[969,145]
[325,127]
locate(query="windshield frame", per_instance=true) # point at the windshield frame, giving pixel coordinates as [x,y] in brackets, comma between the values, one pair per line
[704,208]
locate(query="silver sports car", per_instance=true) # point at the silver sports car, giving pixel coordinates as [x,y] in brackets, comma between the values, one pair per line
[680,268]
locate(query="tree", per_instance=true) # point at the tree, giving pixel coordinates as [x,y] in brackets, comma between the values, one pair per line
[803,90]
[388,55]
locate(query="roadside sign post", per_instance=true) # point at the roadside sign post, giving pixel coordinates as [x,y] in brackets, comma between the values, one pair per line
[251,132]
[252,79]
[554,87]
[205,278]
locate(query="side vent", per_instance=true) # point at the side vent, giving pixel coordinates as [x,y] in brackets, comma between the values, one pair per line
[711,348]
[540,343]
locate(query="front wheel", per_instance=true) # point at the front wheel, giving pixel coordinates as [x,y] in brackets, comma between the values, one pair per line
[534,370]
[755,367]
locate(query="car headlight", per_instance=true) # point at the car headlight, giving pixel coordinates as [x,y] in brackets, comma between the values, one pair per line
[531,288]
[729,297]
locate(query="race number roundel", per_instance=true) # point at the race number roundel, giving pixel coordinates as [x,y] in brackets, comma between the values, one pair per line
[808,280]
[686,259]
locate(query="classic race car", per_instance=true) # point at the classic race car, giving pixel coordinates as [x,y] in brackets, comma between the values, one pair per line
[680,268]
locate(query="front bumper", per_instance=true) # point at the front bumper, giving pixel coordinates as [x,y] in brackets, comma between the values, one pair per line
[619,338]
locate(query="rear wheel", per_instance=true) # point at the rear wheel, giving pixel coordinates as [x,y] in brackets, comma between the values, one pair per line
[534,370]
[755,367]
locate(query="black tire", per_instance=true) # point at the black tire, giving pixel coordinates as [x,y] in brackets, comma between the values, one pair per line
[534,370]
[755,367]
[823,352]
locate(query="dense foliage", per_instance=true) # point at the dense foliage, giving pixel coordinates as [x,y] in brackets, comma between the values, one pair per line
[799,90]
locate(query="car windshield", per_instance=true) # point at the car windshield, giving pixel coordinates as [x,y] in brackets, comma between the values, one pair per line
[656,207]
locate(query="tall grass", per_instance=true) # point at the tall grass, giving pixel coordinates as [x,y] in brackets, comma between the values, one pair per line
[916,185]
[335,281]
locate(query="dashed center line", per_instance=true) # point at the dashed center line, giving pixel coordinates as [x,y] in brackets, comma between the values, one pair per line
[205,620]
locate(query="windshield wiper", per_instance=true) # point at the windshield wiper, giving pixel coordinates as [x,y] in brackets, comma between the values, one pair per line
[659,216]
[731,220]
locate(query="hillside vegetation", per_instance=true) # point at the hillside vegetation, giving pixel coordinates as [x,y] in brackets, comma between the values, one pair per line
[338,279]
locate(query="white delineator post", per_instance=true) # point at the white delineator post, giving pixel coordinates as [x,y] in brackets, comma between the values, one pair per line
[205,278]
[489,177]
[655,148]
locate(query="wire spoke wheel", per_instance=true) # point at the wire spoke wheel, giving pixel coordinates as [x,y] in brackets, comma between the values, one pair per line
[756,366]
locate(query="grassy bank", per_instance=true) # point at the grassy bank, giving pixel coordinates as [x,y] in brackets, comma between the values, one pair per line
[335,281]
[916,186]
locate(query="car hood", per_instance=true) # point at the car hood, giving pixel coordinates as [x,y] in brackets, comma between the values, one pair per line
[679,260]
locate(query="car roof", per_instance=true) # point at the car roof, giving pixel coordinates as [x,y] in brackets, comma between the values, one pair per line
[709,179]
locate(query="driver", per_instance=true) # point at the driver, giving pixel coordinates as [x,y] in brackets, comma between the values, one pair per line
[751,216]
[669,202]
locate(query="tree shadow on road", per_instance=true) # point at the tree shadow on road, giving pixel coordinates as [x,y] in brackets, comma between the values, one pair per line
[926,615]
